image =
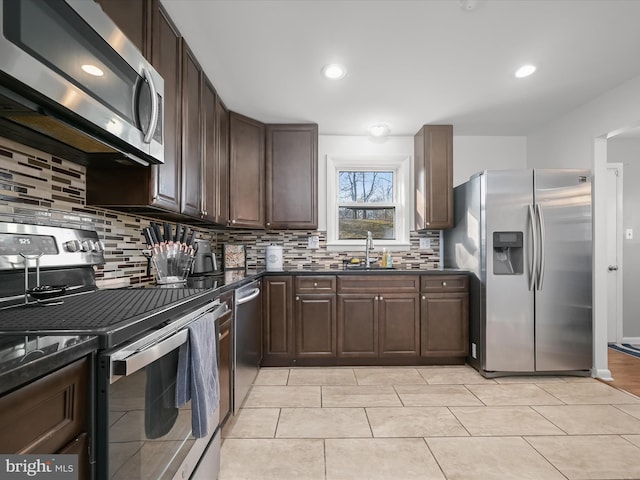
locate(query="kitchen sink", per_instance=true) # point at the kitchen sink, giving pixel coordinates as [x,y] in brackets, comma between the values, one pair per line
[372,267]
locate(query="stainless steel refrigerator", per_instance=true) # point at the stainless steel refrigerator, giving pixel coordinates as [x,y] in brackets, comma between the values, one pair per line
[526,238]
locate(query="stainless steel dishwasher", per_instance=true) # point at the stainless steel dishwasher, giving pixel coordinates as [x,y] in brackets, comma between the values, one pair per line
[248,340]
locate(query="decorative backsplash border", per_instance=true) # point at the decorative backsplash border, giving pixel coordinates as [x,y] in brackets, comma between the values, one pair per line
[41,188]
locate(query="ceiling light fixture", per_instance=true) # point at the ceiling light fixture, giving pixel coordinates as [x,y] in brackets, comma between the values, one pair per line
[333,71]
[525,71]
[92,70]
[379,130]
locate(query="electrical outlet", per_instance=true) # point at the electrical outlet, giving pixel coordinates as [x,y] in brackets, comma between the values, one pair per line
[425,243]
[313,242]
[628,234]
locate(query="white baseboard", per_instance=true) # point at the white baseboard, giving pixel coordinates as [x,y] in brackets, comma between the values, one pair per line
[632,340]
[602,374]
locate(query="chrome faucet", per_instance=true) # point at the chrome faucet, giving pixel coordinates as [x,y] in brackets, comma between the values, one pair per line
[367,248]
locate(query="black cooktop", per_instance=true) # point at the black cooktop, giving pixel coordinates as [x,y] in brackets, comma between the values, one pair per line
[114,315]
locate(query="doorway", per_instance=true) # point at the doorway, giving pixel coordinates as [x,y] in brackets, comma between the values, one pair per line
[614,252]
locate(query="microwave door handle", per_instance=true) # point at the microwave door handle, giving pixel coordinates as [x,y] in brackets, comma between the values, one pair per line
[154,106]
[141,359]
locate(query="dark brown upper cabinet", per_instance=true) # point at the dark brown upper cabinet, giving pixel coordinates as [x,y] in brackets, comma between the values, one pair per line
[153,190]
[133,18]
[215,156]
[192,135]
[246,172]
[221,215]
[292,176]
[433,168]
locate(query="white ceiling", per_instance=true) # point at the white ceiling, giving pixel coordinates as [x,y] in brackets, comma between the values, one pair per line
[412,62]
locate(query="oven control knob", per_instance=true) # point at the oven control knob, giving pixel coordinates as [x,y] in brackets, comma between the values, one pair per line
[97,246]
[84,246]
[72,245]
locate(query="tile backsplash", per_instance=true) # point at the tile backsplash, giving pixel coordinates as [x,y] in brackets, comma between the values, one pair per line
[38,187]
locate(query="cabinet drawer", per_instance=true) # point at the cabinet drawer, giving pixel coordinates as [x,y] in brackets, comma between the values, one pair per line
[315,284]
[444,283]
[378,283]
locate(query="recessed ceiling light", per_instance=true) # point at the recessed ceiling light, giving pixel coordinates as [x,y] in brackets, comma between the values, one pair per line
[525,71]
[92,70]
[379,130]
[334,71]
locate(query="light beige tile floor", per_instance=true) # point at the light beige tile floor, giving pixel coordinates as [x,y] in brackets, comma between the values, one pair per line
[401,423]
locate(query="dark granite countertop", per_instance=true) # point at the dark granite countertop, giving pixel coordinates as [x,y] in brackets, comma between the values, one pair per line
[26,358]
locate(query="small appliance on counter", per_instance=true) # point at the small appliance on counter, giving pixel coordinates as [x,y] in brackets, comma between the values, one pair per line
[205,260]
[273,258]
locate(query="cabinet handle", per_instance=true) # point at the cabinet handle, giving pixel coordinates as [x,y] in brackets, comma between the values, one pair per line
[424,297]
[268,224]
[223,335]
[381,298]
[315,284]
[297,298]
[444,284]
[233,221]
[375,298]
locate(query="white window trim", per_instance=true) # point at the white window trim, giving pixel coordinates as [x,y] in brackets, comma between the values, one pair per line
[401,166]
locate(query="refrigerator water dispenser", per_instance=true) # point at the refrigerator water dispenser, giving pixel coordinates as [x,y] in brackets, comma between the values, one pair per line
[507,253]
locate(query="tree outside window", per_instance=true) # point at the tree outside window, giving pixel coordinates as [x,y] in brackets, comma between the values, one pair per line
[366,202]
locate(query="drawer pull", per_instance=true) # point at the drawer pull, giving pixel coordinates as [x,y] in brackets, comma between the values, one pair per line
[223,335]
[444,284]
[315,284]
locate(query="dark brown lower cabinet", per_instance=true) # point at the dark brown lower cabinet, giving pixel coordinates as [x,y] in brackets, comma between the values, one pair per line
[444,325]
[357,325]
[315,326]
[399,325]
[49,415]
[277,313]
[225,356]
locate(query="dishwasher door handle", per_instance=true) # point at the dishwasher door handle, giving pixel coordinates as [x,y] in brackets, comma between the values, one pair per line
[254,293]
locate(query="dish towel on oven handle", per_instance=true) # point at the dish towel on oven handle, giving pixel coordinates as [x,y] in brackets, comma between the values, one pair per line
[197,378]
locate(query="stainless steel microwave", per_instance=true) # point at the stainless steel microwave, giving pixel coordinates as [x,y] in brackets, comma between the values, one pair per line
[68,73]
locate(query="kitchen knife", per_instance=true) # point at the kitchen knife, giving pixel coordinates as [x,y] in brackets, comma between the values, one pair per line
[168,236]
[176,237]
[156,227]
[185,235]
[147,236]
[152,235]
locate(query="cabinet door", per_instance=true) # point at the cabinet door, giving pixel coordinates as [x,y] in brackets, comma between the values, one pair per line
[221,215]
[357,325]
[433,165]
[166,58]
[80,446]
[315,326]
[399,325]
[246,175]
[277,318]
[47,414]
[209,152]
[444,325]
[132,18]
[191,135]
[292,176]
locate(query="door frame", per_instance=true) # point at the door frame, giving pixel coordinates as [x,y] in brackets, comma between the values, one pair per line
[619,199]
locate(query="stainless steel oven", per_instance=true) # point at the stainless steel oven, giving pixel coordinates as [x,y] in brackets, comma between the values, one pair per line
[65,67]
[145,435]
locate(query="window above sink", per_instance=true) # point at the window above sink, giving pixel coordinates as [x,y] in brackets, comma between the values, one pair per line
[368,193]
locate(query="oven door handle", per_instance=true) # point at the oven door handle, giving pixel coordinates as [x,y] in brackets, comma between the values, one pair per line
[141,359]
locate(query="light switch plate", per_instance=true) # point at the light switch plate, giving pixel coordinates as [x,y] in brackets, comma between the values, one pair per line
[313,242]
[425,243]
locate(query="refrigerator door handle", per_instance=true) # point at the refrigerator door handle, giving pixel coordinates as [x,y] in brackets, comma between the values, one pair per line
[534,248]
[540,216]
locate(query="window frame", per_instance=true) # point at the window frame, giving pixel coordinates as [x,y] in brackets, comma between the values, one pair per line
[400,165]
